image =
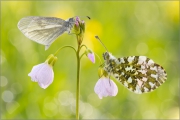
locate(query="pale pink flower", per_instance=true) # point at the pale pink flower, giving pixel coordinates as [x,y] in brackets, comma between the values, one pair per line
[91,57]
[76,23]
[77,19]
[105,87]
[43,74]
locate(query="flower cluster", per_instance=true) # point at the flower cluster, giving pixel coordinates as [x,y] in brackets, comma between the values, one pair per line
[79,29]
[43,73]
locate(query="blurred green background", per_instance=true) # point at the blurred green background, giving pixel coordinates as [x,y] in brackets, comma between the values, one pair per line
[126,28]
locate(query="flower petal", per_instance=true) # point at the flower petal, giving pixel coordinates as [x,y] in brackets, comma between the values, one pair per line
[105,87]
[43,74]
[33,73]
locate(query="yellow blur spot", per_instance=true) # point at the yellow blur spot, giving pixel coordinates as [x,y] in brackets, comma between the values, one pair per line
[173,11]
[93,28]
[174,113]
[64,13]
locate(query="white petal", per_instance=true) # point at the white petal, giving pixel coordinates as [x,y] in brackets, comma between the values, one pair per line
[33,73]
[105,87]
[43,74]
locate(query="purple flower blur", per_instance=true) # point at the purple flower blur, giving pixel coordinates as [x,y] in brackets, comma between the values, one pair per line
[77,19]
[76,23]
[91,57]
[43,74]
[105,87]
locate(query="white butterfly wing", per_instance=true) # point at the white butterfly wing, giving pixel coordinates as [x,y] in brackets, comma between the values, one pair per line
[43,30]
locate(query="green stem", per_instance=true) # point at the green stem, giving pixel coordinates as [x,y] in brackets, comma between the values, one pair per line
[78,72]
[55,54]
[78,83]
[82,54]
[79,41]
[83,46]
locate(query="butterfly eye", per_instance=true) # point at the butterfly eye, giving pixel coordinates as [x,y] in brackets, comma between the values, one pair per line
[106,56]
[71,20]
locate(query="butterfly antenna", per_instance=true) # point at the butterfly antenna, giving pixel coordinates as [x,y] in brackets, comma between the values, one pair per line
[88,17]
[85,17]
[101,42]
[82,17]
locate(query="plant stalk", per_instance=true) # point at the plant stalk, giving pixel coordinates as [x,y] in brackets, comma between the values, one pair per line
[55,54]
[79,41]
[78,83]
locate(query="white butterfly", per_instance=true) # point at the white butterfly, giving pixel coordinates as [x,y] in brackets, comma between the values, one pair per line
[44,30]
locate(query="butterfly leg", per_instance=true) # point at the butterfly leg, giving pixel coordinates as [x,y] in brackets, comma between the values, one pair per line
[109,79]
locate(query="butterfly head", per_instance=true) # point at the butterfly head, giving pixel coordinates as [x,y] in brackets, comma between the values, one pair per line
[71,20]
[107,56]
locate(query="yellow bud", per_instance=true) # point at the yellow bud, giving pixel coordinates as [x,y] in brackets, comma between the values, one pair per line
[51,59]
[102,72]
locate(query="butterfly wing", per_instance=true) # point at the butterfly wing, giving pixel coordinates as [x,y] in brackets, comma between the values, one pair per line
[139,73]
[43,30]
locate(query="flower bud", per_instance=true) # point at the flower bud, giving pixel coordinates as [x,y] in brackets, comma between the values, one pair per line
[90,55]
[102,72]
[51,60]
[82,24]
[77,19]
[77,28]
